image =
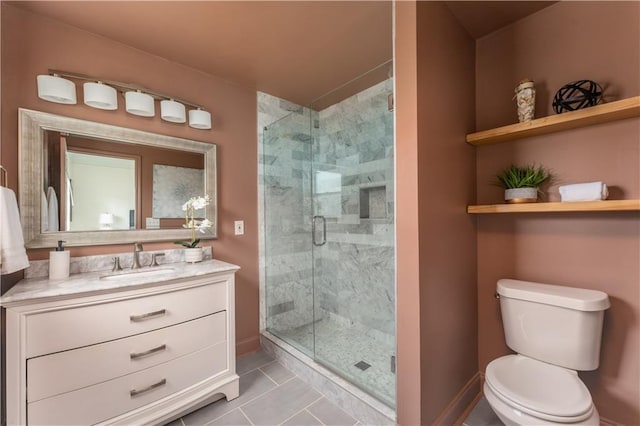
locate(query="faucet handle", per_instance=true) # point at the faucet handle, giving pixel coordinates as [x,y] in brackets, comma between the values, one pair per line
[154,259]
[116,264]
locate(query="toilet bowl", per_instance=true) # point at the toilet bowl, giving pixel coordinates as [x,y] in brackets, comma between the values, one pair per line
[555,331]
[524,391]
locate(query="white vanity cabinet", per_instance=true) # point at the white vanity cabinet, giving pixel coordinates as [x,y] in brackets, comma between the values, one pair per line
[142,354]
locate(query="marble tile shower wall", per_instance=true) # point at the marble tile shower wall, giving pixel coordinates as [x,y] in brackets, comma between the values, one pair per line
[353,142]
[355,270]
[284,172]
[270,110]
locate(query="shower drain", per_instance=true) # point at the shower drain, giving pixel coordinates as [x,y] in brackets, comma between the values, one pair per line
[362,365]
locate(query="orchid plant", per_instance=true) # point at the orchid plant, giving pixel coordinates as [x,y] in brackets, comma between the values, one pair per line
[190,222]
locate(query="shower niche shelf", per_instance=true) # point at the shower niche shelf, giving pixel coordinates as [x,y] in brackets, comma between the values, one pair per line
[373,202]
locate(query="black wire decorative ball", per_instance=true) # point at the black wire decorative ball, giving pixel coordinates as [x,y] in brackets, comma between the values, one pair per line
[577,95]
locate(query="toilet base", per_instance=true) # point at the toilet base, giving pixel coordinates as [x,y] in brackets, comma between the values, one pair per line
[511,416]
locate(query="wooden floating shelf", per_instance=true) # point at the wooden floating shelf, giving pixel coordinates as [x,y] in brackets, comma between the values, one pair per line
[618,110]
[581,206]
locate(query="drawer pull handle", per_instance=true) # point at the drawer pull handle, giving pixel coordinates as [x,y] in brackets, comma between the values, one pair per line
[136,392]
[148,352]
[148,315]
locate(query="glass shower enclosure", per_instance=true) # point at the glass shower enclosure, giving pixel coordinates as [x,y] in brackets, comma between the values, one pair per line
[329,236]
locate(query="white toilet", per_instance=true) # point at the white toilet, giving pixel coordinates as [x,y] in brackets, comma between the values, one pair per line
[555,331]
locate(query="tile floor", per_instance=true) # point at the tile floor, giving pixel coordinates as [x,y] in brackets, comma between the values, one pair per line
[482,415]
[272,395]
[269,395]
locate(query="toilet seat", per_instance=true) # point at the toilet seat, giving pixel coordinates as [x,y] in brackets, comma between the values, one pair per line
[542,390]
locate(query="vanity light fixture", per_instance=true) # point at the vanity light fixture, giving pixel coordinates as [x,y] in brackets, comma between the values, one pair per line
[172,111]
[138,103]
[103,94]
[54,88]
[99,95]
[199,119]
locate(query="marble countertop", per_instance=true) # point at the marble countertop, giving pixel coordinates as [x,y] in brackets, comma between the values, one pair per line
[76,284]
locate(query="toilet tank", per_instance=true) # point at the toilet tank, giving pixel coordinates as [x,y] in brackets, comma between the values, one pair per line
[555,324]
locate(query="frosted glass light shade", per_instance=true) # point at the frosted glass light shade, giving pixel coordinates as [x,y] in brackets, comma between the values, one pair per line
[138,103]
[199,119]
[172,111]
[56,89]
[98,95]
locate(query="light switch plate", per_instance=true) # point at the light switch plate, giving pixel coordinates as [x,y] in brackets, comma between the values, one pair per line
[238,227]
[152,223]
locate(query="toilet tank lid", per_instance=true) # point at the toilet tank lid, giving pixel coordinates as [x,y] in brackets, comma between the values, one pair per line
[580,299]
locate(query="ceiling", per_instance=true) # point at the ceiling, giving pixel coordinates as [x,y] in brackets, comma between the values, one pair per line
[258,44]
[267,45]
[484,17]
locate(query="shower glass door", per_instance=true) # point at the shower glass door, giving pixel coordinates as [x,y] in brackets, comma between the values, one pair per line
[329,236]
[353,240]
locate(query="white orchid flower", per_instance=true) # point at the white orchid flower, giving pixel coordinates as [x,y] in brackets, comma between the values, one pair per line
[193,204]
[201,202]
[203,225]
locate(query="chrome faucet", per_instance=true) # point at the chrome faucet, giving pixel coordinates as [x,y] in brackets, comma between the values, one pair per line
[137,249]
[116,264]
[154,259]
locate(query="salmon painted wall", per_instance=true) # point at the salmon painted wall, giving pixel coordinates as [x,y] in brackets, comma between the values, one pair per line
[409,385]
[436,272]
[31,44]
[565,42]
[446,184]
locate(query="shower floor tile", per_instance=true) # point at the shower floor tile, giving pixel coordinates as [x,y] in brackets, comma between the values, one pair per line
[341,348]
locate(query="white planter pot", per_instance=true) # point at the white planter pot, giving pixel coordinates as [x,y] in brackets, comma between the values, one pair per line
[193,255]
[521,195]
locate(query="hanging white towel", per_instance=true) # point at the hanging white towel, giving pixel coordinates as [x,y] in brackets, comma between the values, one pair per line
[70,192]
[52,201]
[591,191]
[44,213]
[13,256]
[69,206]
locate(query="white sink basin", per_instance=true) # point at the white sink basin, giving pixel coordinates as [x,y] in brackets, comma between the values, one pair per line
[137,274]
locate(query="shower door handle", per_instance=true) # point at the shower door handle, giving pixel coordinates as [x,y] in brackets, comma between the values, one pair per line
[324,230]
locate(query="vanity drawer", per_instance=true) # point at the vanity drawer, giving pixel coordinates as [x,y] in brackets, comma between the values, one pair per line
[53,374]
[109,399]
[70,328]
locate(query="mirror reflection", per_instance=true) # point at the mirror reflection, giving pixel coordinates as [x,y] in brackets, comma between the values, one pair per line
[84,208]
[92,184]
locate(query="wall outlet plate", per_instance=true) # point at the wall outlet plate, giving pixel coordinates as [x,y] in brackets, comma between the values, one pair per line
[238,227]
[152,223]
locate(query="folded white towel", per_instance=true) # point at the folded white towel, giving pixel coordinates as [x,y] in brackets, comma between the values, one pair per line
[13,256]
[591,191]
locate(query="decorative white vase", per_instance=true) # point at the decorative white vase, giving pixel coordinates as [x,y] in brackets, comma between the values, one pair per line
[193,255]
[521,195]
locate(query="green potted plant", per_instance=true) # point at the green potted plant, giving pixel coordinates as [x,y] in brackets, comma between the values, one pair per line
[521,183]
[193,253]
